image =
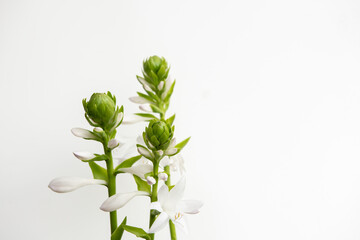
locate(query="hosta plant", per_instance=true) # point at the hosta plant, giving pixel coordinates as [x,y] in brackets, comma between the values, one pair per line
[158,156]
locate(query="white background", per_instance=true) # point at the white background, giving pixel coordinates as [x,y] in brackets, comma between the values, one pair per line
[268,90]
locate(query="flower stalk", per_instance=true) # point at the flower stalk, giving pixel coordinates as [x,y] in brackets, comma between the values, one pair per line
[111,185]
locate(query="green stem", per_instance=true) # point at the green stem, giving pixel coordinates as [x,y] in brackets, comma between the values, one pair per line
[171,224]
[111,186]
[154,195]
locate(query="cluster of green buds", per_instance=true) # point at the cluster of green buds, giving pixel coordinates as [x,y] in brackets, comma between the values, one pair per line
[158,135]
[157,85]
[101,111]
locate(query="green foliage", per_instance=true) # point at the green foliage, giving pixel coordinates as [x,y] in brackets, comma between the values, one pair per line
[182,144]
[139,232]
[98,171]
[117,234]
[142,185]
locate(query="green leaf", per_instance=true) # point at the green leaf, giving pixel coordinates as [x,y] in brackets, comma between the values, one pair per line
[169,93]
[97,158]
[182,144]
[128,162]
[139,232]
[146,97]
[170,120]
[98,171]
[146,115]
[156,109]
[142,185]
[117,234]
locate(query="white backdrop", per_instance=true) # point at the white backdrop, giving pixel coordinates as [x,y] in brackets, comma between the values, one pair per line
[268,90]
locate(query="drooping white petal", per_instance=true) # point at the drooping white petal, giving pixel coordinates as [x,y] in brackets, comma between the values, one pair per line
[160,222]
[139,170]
[119,200]
[113,143]
[156,206]
[189,206]
[145,108]
[175,195]
[82,133]
[171,151]
[161,85]
[68,184]
[150,180]
[146,153]
[166,161]
[84,155]
[163,194]
[163,176]
[139,100]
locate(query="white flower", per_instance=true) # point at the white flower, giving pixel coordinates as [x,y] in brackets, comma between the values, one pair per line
[145,152]
[171,150]
[161,85]
[145,108]
[98,129]
[119,200]
[176,163]
[83,133]
[68,184]
[139,100]
[84,156]
[172,207]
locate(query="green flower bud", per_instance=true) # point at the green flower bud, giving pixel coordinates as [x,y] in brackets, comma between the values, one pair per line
[101,109]
[158,135]
[155,70]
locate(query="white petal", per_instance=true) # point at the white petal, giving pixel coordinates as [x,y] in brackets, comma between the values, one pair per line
[171,151]
[138,99]
[172,143]
[150,180]
[166,161]
[113,143]
[145,108]
[120,116]
[161,85]
[175,195]
[139,170]
[119,200]
[82,133]
[163,176]
[189,206]
[160,222]
[146,153]
[156,206]
[163,194]
[84,155]
[68,184]
[181,225]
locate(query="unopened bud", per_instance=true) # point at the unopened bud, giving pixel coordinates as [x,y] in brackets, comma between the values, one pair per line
[163,176]
[113,143]
[150,180]
[98,129]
